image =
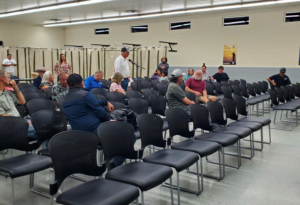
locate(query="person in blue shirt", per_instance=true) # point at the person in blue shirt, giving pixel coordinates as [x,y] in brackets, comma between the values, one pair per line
[37,81]
[94,81]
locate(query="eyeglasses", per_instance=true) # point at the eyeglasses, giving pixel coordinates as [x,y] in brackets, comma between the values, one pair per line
[5,76]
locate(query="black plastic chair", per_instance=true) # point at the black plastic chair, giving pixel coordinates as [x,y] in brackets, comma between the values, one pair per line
[237,82]
[218,88]
[148,92]
[154,84]
[146,84]
[150,126]
[100,97]
[243,82]
[22,110]
[116,97]
[105,83]
[133,94]
[13,135]
[237,90]
[165,82]
[259,94]
[266,84]
[25,85]
[190,96]
[147,79]
[182,85]
[138,105]
[100,91]
[118,105]
[296,90]
[32,90]
[227,92]
[79,150]
[210,89]
[143,175]
[158,107]
[48,93]
[291,92]
[36,105]
[225,83]
[33,95]
[162,89]
[60,102]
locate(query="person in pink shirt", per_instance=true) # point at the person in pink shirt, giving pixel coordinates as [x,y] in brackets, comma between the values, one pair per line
[196,85]
[116,83]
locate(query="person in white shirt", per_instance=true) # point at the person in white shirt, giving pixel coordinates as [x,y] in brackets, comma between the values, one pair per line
[9,64]
[205,74]
[121,66]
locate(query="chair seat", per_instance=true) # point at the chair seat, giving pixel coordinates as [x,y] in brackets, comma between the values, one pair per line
[44,152]
[203,148]
[223,139]
[254,126]
[262,120]
[253,101]
[25,164]
[242,132]
[265,97]
[99,192]
[180,160]
[143,175]
[292,108]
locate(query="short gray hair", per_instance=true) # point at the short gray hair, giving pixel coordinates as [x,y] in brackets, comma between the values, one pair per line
[2,72]
[98,72]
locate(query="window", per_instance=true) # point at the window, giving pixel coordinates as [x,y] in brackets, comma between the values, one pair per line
[181,25]
[138,29]
[292,17]
[236,21]
[100,31]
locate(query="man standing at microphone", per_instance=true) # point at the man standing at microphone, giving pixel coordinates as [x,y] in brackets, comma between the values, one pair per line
[121,66]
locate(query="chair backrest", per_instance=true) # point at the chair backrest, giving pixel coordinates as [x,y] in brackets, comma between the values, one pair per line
[225,83]
[147,79]
[200,115]
[148,92]
[151,130]
[99,97]
[146,84]
[227,92]
[230,108]
[138,105]
[243,82]
[237,82]
[36,105]
[286,93]
[13,134]
[296,90]
[257,88]
[117,139]
[158,104]
[210,89]
[48,93]
[216,112]
[251,89]
[25,85]
[262,87]
[31,89]
[241,105]
[280,94]
[271,85]
[118,105]
[140,79]
[22,110]
[162,89]
[182,85]
[273,96]
[137,86]
[244,90]
[48,123]
[266,84]
[100,91]
[218,87]
[165,82]
[291,91]
[74,152]
[105,83]
[133,94]
[190,96]
[117,97]
[178,121]
[231,83]
[33,95]
[60,102]
[237,90]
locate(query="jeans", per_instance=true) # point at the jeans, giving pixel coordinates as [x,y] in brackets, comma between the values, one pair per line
[124,84]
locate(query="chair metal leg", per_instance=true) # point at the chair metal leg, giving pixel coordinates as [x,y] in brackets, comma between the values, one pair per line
[13,191]
[243,156]
[281,124]
[142,198]
[33,189]
[261,141]
[178,189]
[51,200]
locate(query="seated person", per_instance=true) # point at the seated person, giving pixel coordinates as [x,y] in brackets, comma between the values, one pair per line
[175,95]
[47,81]
[94,81]
[156,75]
[164,75]
[220,75]
[61,88]
[196,85]
[280,79]
[163,65]
[205,74]
[37,81]
[116,84]
[190,73]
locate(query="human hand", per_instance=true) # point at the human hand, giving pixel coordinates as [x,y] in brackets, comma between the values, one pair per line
[274,83]
[29,122]
[112,120]
[110,107]
[192,102]
[13,84]
[198,94]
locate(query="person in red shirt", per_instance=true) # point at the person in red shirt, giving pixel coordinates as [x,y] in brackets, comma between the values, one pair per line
[196,85]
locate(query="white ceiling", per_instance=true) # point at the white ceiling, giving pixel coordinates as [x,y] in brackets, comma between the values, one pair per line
[109,8]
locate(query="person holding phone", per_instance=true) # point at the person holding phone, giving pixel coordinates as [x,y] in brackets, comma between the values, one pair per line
[163,65]
[8,99]
[9,64]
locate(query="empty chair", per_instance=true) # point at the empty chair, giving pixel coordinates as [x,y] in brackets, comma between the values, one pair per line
[118,105]
[25,85]
[148,92]
[105,83]
[218,88]
[79,149]
[225,83]
[36,105]
[48,93]
[138,105]
[296,90]
[117,97]
[33,95]
[237,82]
[165,82]
[291,92]
[133,94]
[162,89]
[210,89]
[60,103]
[143,175]
[136,86]
[146,84]
[154,84]
[100,91]
[99,97]
[140,79]
[147,79]
[227,92]
[31,89]
[266,85]
[243,82]
[158,107]
[237,90]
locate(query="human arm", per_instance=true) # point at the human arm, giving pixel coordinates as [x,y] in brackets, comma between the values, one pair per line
[44,87]
[56,68]
[120,91]
[166,66]
[180,95]
[19,96]
[69,68]
[96,108]
[271,80]
[87,83]
[14,63]
[187,101]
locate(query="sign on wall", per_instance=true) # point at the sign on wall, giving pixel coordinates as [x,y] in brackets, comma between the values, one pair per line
[229,55]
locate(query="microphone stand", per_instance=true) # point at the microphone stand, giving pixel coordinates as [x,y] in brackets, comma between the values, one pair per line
[137,72]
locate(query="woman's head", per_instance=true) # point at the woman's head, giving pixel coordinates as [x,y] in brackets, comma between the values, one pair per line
[164,60]
[47,77]
[191,71]
[62,58]
[117,78]
[164,73]
[158,72]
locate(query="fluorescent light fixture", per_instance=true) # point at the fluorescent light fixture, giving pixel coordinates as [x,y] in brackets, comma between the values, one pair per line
[286,1]
[292,16]
[236,22]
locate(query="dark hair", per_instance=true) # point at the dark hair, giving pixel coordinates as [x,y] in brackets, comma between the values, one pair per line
[204,66]
[60,60]
[174,79]
[192,70]
[8,54]
[164,72]
[164,58]
[221,67]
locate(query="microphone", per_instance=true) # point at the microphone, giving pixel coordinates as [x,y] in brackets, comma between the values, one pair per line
[130,61]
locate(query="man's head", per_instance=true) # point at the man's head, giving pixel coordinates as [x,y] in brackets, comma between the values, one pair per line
[75,80]
[98,75]
[125,52]
[41,71]
[176,76]
[220,69]
[8,56]
[63,77]
[203,68]
[282,72]
[4,78]
[198,75]
[164,60]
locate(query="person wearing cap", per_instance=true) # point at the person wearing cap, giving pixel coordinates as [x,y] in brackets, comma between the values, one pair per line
[9,64]
[38,80]
[220,75]
[61,88]
[175,95]
[163,65]
[121,66]
[280,79]
[83,111]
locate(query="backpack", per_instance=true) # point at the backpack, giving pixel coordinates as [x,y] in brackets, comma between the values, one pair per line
[125,115]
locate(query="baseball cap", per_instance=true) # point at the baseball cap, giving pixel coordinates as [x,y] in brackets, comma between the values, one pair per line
[74,80]
[176,73]
[283,70]
[125,49]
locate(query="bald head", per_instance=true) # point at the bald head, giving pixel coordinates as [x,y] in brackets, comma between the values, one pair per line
[198,75]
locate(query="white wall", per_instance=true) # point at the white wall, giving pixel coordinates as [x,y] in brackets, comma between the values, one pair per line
[20,34]
[266,42]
